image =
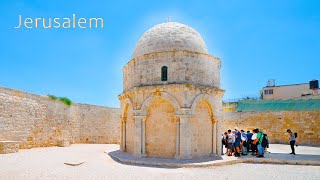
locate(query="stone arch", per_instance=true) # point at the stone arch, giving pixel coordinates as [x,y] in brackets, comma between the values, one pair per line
[172,100]
[128,130]
[208,99]
[202,123]
[202,130]
[161,129]
[124,103]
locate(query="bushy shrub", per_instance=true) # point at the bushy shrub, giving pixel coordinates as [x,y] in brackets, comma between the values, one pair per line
[65,100]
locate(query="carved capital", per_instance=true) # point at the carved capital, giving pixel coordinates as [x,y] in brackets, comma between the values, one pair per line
[123,119]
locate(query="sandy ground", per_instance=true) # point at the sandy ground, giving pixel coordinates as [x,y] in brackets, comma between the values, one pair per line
[48,163]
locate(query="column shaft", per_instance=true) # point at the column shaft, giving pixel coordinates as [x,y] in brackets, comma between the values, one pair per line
[177,138]
[143,131]
[219,132]
[214,139]
[185,138]
[138,135]
[123,142]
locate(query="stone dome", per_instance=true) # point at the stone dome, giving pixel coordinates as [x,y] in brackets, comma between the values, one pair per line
[170,36]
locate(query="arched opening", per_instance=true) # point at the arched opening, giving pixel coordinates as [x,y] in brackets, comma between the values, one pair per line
[164,73]
[129,129]
[160,129]
[202,130]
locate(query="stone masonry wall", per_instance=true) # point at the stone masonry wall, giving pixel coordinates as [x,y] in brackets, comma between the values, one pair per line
[99,124]
[202,131]
[38,121]
[161,130]
[275,124]
[183,67]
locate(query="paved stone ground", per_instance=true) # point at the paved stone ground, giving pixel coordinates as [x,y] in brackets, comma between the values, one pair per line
[48,163]
[304,154]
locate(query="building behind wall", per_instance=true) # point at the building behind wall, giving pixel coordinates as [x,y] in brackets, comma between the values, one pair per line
[291,91]
[295,106]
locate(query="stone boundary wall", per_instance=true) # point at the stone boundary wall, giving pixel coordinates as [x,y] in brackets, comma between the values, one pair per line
[275,124]
[38,121]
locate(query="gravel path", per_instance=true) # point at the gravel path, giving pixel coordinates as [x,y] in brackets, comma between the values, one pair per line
[48,163]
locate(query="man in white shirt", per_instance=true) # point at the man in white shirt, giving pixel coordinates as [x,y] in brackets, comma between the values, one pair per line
[253,145]
[231,140]
[292,139]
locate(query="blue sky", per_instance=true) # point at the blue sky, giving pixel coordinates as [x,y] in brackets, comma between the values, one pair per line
[256,41]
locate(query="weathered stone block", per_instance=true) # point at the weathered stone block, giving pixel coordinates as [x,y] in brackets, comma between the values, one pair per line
[63,143]
[9,147]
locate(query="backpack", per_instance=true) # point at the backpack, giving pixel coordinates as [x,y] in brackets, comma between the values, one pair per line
[223,141]
[264,142]
[295,135]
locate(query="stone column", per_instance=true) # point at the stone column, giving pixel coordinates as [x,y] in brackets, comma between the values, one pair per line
[214,138]
[177,119]
[123,134]
[185,137]
[143,131]
[138,135]
[218,132]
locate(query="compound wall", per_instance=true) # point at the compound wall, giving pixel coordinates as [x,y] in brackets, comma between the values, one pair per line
[275,124]
[38,121]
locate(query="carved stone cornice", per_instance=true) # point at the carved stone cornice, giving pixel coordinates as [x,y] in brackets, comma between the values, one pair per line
[170,88]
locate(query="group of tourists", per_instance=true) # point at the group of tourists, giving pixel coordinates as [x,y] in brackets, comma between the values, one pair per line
[241,143]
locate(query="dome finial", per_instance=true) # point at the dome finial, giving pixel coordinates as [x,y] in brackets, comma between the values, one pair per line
[169,18]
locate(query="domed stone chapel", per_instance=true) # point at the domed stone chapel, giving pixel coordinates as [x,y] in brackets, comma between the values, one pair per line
[171,104]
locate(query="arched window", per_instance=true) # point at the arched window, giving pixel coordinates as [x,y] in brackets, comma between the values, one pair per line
[164,73]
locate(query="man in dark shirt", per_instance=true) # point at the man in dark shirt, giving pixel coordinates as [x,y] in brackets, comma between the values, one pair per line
[249,142]
[237,142]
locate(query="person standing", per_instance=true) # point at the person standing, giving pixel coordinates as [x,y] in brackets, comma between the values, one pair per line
[249,140]
[226,141]
[244,142]
[231,140]
[237,142]
[292,139]
[260,138]
[223,143]
[254,142]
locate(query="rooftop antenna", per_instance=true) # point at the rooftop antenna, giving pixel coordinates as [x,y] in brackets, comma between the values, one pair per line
[271,82]
[169,18]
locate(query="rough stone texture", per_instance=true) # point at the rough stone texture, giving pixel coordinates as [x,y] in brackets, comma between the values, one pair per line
[38,121]
[170,36]
[183,67]
[183,98]
[9,147]
[202,130]
[275,124]
[160,130]
[99,124]
[130,131]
